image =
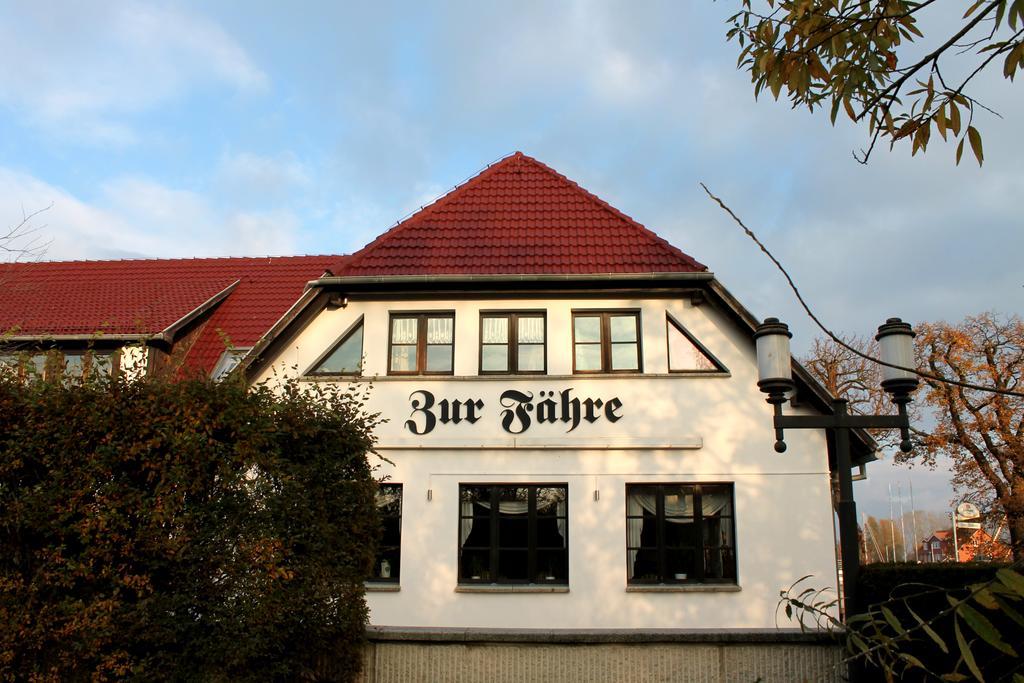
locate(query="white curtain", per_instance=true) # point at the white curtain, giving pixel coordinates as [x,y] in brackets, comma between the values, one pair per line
[466,527]
[403,330]
[531,330]
[439,330]
[634,526]
[495,331]
[561,520]
[711,504]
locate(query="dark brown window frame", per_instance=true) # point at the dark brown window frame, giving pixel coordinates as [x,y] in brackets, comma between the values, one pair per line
[606,342]
[421,341]
[495,546]
[397,571]
[352,329]
[513,341]
[670,322]
[700,547]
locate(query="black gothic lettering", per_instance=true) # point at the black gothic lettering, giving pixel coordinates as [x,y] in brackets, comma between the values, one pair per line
[516,413]
[547,410]
[471,407]
[610,409]
[423,408]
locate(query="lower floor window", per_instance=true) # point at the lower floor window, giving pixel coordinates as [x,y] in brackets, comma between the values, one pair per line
[388,565]
[513,533]
[680,533]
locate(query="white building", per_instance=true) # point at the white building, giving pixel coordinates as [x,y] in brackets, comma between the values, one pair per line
[575,434]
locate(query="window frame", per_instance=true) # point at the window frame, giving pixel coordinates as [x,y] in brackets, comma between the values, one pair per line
[700,546]
[513,341]
[396,576]
[670,322]
[346,335]
[54,362]
[421,341]
[606,343]
[495,546]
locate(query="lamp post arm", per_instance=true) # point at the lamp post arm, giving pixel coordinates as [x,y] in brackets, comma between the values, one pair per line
[843,420]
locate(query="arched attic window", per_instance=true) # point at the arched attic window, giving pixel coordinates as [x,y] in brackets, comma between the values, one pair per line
[345,357]
[685,353]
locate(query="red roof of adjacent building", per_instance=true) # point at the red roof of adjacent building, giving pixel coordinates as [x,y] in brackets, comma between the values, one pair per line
[147,296]
[517,217]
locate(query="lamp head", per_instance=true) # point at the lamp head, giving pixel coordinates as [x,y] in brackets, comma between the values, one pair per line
[896,346]
[774,363]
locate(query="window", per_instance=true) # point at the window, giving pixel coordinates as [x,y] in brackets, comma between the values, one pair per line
[606,341]
[513,533]
[685,353]
[512,343]
[422,344]
[227,362]
[66,365]
[388,565]
[680,533]
[345,357]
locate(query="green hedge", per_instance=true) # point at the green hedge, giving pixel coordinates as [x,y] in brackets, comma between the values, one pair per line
[189,531]
[908,587]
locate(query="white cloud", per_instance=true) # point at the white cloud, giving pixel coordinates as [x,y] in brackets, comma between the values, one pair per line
[137,217]
[249,175]
[76,69]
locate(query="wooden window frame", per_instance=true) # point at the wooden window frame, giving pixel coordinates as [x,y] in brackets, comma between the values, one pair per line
[395,577]
[346,335]
[531,545]
[513,341]
[670,322]
[700,546]
[606,342]
[421,341]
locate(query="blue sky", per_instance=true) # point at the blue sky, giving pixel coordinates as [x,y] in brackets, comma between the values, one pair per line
[201,129]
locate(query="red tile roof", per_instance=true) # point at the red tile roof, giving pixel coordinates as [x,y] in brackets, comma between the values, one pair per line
[147,296]
[517,217]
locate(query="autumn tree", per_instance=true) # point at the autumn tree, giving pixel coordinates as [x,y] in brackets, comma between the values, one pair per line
[23,240]
[872,60]
[982,432]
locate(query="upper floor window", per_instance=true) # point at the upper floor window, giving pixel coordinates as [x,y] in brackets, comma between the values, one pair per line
[680,533]
[606,341]
[422,344]
[345,357]
[685,353]
[513,343]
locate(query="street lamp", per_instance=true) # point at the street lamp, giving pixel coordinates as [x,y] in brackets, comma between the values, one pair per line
[775,378]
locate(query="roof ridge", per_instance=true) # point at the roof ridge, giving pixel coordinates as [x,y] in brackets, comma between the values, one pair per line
[507,164]
[427,209]
[614,211]
[176,259]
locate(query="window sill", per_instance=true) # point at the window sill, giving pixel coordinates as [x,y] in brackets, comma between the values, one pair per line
[685,588]
[381,587]
[509,588]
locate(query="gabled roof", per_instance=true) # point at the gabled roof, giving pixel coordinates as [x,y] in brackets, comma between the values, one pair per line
[150,297]
[518,217]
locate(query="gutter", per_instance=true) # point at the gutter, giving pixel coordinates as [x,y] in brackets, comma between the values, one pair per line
[336,280]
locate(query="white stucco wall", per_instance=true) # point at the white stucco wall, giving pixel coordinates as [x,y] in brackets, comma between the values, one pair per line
[674,429]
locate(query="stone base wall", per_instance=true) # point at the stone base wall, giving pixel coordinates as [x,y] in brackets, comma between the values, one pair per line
[600,658]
